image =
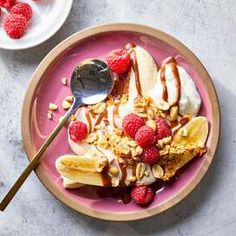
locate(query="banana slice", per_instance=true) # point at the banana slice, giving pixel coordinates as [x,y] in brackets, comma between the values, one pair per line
[193,133]
[82,169]
[147,70]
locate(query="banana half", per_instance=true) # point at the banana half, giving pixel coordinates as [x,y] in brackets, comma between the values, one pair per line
[76,170]
[191,138]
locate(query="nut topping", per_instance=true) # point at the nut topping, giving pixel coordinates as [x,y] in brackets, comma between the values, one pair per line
[140,170]
[66,105]
[157,171]
[99,107]
[52,107]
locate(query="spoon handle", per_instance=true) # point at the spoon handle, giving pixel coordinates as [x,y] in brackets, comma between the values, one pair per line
[31,166]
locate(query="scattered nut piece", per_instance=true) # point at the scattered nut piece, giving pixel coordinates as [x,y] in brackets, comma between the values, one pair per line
[151,124]
[167,140]
[64,81]
[157,171]
[52,107]
[73,117]
[140,169]
[66,105]
[160,143]
[98,127]
[123,148]
[133,152]
[151,114]
[99,107]
[146,173]
[132,143]
[69,98]
[174,113]
[132,178]
[102,144]
[49,116]
[92,137]
[139,150]
[163,105]
[113,170]
[118,132]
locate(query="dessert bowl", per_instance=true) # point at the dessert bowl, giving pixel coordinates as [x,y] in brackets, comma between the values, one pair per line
[46,87]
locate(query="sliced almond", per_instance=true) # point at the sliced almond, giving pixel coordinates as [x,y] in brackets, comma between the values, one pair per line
[52,107]
[66,105]
[64,81]
[157,171]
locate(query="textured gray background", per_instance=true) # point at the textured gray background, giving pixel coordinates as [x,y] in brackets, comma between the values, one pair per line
[208,27]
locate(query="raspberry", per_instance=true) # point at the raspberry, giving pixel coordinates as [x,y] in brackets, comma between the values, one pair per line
[7,3]
[78,131]
[163,128]
[132,123]
[145,136]
[142,194]
[119,61]
[15,25]
[22,8]
[150,155]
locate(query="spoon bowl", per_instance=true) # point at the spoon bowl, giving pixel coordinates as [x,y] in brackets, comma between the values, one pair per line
[91,82]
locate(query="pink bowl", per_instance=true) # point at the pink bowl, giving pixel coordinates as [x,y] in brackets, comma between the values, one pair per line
[46,87]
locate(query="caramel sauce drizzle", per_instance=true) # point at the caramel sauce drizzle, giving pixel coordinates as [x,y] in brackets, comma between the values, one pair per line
[100,117]
[106,179]
[134,64]
[87,114]
[163,81]
[124,175]
[173,64]
[115,113]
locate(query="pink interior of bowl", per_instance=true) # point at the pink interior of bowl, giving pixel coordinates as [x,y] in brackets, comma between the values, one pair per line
[51,89]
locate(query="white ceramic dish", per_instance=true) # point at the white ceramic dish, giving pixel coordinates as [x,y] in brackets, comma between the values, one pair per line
[48,17]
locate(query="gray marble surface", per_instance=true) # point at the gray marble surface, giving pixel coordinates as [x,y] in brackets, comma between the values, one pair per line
[205,26]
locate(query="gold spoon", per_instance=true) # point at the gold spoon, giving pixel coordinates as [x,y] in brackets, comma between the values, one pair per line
[91,82]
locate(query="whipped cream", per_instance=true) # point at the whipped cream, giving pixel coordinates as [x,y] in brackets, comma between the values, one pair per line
[189,102]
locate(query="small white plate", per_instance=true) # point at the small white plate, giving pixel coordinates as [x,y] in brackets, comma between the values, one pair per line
[48,17]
